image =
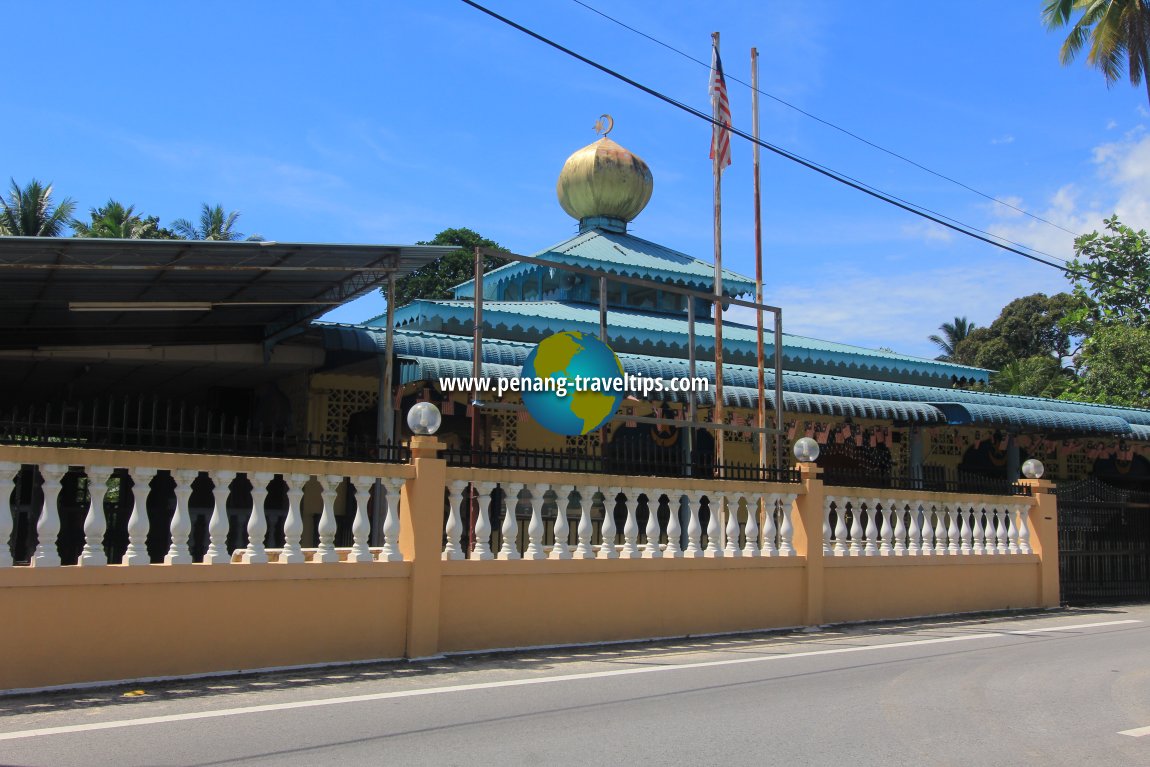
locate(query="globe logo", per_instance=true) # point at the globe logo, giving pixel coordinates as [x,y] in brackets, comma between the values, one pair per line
[590,380]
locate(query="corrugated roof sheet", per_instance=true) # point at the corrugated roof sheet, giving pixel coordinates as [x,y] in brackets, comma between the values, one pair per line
[1020,419]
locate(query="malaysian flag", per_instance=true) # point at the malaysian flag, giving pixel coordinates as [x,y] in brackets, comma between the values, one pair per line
[720,109]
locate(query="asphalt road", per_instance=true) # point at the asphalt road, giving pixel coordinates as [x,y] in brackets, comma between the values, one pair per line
[1065,688]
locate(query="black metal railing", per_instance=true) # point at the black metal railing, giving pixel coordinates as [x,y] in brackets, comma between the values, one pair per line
[932,481]
[149,423]
[626,463]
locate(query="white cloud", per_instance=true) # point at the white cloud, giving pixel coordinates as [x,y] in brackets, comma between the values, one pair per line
[1007,139]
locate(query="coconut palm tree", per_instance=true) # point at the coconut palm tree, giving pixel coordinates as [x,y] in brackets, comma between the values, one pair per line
[115,220]
[28,211]
[1119,32]
[215,224]
[952,334]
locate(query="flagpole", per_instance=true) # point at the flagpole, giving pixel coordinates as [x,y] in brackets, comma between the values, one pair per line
[718,307]
[759,356]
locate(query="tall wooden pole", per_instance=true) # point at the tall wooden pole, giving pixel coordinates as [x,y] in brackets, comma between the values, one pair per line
[759,354]
[718,309]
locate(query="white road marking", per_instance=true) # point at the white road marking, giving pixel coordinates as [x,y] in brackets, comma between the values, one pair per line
[1024,632]
[516,683]
[1137,732]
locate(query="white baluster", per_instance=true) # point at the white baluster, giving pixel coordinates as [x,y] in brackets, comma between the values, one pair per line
[651,549]
[1003,534]
[454,526]
[828,508]
[714,525]
[952,531]
[586,529]
[535,528]
[841,547]
[325,551]
[694,528]
[977,545]
[898,509]
[940,530]
[391,522]
[786,528]
[608,548]
[631,526]
[928,529]
[770,527]
[1011,513]
[870,532]
[562,529]
[95,523]
[8,470]
[914,546]
[674,528]
[255,553]
[483,522]
[967,520]
[361,524]
[292,553]
[885,545]
[48,527]
[751,529]
[731,531]
[509,530]
[181,526]
[1024,529]
[217,553]
[137,551]
[991,545]
[856,544]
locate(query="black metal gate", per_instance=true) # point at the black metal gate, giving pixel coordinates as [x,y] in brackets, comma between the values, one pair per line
[1103,542]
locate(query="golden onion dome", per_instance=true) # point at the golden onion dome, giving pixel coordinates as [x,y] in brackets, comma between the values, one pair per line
[603,184]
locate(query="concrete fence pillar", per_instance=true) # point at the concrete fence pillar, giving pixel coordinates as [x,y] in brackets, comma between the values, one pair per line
[808,540]
[421,542]
[1043,523]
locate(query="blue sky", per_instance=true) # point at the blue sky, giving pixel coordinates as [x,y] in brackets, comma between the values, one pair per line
[388,121]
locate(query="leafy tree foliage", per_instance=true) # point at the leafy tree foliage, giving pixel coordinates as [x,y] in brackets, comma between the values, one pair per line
[114,220]
[28,211]
[953,333]
[1115,362]
[1113,275]
[1032,326]
[1118,31]
[436,279]
[1037,376]
[214,224]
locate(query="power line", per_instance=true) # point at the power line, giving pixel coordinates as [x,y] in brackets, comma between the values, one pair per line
[830,124]
[917,210]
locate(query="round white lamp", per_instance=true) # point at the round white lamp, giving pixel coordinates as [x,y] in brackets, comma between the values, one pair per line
[806,450]
[1032,468]
[424,418]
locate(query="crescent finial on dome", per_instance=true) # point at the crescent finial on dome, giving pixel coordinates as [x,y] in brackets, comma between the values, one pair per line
[604,185]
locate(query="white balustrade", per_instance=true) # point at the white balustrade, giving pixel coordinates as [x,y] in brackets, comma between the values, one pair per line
[181,525]
[885,534]
[361,523]
[562,530]
[870,532]
[1003,531]
[1023,512]
[694,527]
[454,528]
[631,526]
[8,471]
[325,551]
[914,535]
[828,530]
[714,525]
[137,551]
[856,529]
[586,529]
[292,552]
[1012,530]
[391,503]
[967,520]
[770,527]
[509,530]
[217,553]
[674,528]
[786,527]
[48,526]
[751,529]
[978,543]
[731,530]
[841,547]
[897,511]
[940,530]
[952,546]
[255,553]
[95,523]
[535,528]
[607,532]
[651,548]
[482,549]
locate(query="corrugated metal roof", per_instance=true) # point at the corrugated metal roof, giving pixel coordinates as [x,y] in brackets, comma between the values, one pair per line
[1019,419]
[627,255]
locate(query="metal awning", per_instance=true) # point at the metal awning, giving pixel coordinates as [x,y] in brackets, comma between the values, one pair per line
[63,291]
[1023,420]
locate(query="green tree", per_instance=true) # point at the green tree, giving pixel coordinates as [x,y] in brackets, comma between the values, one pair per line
[1115,367]
[1119,34]
[1037,376]
[1031,326]
[1112,276]
[214,224]
[28,211]
[953,334]
[114,220]
[436,279]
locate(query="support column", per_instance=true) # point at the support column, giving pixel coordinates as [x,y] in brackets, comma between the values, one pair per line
[420,541]
[1043,519]
[808,543]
